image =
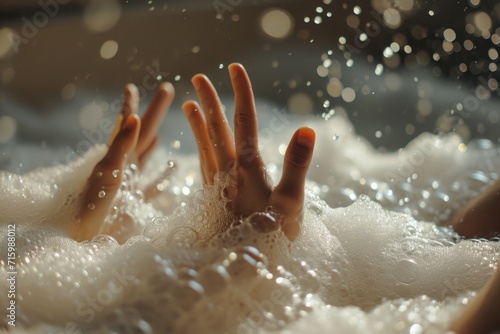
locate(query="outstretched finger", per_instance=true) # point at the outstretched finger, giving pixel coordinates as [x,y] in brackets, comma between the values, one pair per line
[130,105]
[105,181]
[199,127]
[245,118]
[298,157]
[288,196]
[219,132]
[153,117]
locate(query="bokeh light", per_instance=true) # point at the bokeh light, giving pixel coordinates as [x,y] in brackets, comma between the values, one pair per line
[109,49]
[277,23]
[101,15]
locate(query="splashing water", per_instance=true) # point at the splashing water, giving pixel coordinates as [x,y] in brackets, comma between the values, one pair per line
[358,265]
[374,254]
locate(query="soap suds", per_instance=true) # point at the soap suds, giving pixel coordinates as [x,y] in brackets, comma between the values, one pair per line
[356,267]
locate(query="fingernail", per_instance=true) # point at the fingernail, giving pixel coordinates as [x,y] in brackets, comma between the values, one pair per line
[188,110]
[196,80]
[168,87]
[233,71]
[306,137]
[130,123]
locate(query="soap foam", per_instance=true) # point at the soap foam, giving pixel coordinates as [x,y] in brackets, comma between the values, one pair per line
[356,267]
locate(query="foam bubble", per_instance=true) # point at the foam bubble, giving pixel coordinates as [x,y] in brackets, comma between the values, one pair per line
[181,263]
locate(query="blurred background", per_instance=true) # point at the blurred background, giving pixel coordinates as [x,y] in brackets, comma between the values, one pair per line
[395,67]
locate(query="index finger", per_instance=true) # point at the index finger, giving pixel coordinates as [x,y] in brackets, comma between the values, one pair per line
[219,132]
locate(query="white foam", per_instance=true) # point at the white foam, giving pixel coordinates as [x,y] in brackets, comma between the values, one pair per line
[355,269]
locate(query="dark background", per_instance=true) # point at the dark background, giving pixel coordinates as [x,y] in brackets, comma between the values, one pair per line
[162,34]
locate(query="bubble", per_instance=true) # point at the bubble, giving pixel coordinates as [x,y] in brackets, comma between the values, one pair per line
[263,222]
[109,49]
[405,271]
[315,207]
[243,264]
[416,329]
[277,23]
[104,239]
[213,278]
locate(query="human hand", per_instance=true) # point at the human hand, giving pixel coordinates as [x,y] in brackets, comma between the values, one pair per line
[479,217]
[240,158]
[132,141]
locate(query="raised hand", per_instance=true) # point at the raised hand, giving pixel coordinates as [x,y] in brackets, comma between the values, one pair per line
[239,156]
[132,141]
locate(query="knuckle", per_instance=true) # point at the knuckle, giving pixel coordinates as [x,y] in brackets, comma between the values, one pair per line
[213,128]
[241,117]
[298,157]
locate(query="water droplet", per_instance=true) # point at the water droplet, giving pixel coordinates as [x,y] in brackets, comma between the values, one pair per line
[405,271]
[102,194]
[104,239]
[335,137]
[91,206]
[263,222]
[116,172]
[99,174]
[213,278]
[315,207]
